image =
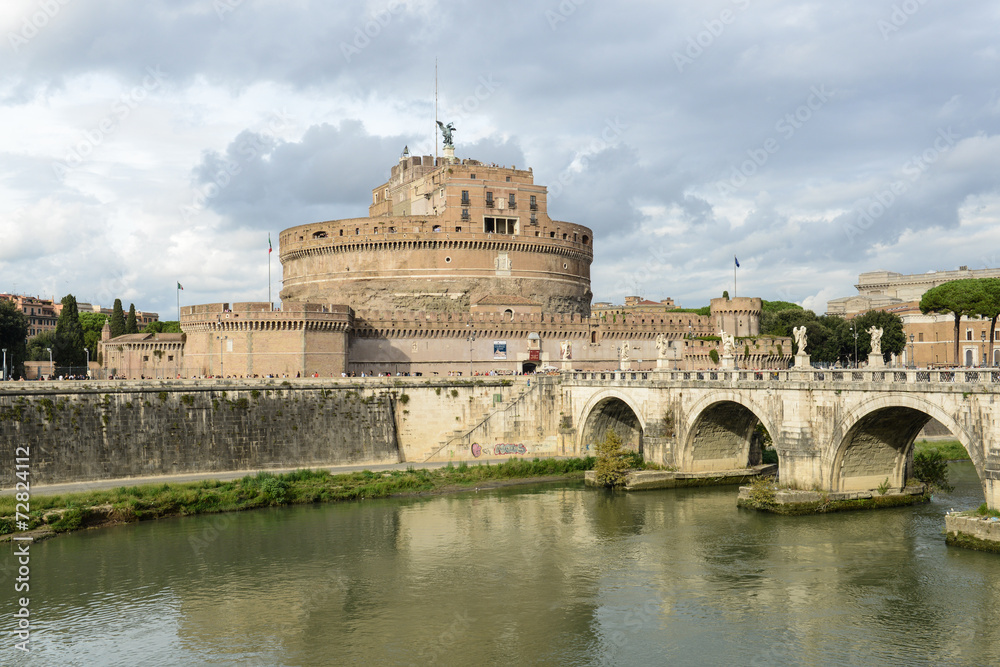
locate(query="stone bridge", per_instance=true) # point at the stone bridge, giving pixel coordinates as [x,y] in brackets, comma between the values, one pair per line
[841,430]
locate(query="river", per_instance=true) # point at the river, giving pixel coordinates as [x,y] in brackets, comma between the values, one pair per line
[541,574]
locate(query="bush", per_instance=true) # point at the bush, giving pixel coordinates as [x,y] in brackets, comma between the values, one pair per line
[613,462]
[714,356]
[931,468]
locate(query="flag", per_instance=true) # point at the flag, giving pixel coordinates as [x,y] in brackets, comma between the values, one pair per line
[737,261]
[269,248]
[179,286]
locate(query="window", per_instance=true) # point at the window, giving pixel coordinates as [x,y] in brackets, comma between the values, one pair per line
[472,176]
[458,230]
[465,197]
[552,235]
[920,338]
[392,230]
[465,214]
[341,232]
[512,201]
[968,334]
[145,358]
[170,357]
[500,225]
[508,179]
[534,203]
[357,231]
[319,235]
[489,200]
[437,228]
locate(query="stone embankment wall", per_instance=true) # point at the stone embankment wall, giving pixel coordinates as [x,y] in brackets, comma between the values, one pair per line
[481,419]
[76,431]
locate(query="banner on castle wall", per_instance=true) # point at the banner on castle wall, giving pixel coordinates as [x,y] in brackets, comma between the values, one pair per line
[499,349]
[534,355]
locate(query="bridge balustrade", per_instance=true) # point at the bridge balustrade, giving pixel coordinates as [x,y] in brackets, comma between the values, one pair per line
[863,376]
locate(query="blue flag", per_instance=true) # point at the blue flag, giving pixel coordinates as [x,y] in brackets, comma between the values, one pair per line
[737,261]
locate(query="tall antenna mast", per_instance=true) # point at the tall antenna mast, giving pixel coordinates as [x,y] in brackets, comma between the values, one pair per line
[435,110]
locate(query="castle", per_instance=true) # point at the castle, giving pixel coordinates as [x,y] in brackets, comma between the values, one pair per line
[458,269]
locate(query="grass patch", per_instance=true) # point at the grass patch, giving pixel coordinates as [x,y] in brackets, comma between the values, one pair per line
[136,503]
[951,450]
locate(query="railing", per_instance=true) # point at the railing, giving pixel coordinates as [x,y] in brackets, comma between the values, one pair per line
[868,376]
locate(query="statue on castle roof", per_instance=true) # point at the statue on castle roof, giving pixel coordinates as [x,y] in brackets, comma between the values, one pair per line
[446,131]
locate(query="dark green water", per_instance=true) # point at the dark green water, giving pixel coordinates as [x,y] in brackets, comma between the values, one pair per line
[554,575]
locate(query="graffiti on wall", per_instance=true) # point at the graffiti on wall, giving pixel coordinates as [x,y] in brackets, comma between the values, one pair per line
[500,449]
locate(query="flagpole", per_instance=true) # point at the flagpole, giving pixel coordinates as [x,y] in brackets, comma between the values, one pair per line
[269,302]
[178,290]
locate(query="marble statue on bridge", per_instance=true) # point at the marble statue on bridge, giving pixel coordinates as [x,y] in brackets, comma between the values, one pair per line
[876,334]
[800,339]
[728,344]
[662,345]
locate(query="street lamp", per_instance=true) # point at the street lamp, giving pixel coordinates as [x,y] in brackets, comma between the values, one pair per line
[52,368]
[471,339]
[222,366]
[854,330]
[5,363]
[913,361]
[87,350]
[982,337]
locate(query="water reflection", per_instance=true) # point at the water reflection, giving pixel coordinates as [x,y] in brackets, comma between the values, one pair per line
[528,575]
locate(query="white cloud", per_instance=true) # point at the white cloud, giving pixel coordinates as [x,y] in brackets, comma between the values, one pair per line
[540,95]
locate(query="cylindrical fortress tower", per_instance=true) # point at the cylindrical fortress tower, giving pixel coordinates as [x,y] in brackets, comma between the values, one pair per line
[441,238]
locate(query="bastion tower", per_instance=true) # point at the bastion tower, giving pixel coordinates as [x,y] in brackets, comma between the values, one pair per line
[443,234]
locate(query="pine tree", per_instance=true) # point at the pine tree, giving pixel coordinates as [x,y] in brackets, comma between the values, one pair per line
[117,322]
[131,325]
[68,350]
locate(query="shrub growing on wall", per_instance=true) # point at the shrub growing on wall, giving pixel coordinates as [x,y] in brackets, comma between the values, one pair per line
[714,356]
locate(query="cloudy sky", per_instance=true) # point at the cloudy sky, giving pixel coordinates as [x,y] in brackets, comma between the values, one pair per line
[146,143]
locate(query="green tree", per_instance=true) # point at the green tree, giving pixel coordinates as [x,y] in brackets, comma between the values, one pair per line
[131,324]
[612,465]
[117,322]
[38,346]
[990,307]
[893,339]
[775,306]
[92,324]
[13,332]
[961,298]
[68,350]
[169,326]
[931,468]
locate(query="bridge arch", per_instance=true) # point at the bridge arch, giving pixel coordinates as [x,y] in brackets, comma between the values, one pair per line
[611,409]
[872,441]
[719,429]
